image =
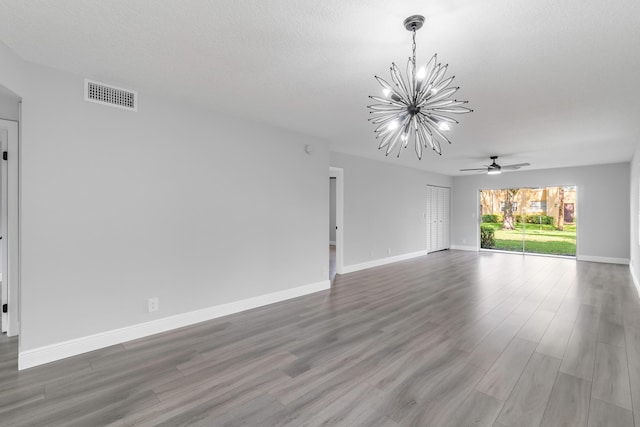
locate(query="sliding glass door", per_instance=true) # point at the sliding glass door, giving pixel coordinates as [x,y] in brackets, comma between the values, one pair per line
[529,220]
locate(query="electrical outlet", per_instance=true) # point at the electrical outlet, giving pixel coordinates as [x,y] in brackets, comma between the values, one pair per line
[153,304]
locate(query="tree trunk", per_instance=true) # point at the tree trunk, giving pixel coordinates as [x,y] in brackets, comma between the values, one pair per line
[507,222]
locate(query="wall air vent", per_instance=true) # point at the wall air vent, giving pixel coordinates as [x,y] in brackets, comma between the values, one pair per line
[110,95]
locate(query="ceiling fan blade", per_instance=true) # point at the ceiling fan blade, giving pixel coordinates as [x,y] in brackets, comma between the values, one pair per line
[476,169]
[516,166]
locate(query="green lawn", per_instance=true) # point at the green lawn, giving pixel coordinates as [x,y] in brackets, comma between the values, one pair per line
[543,239]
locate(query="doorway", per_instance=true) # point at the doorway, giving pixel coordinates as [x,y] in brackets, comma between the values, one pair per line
[533,220]
[9,227]
[336,221]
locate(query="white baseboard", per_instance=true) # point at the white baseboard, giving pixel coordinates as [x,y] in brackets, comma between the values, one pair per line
[604,259]
[381,261]
[634,277]
[464,248]
[51,353]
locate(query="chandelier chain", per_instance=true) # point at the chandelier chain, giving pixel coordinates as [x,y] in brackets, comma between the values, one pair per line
[413,47]
[413,64]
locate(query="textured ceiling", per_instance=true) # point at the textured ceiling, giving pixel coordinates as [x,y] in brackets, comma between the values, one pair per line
[552,83]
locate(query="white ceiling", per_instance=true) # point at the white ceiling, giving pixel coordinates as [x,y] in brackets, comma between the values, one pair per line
[553,83]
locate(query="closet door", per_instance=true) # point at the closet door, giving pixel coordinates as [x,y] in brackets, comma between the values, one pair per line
[427,216]
[438,218]
[446,243]
[441,218]
[434,219]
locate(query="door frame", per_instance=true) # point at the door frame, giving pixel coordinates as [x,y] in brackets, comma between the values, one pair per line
[338,174]
[479,220]
[11,236]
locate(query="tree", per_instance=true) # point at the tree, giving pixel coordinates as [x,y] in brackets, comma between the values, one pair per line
[561,208]
[509,196]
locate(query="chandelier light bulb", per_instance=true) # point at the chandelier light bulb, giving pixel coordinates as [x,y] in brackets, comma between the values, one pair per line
[416,104]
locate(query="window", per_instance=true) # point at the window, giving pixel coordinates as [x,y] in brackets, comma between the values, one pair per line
[538,206]
[514,205]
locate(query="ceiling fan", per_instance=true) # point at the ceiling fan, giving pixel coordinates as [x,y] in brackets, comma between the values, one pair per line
[495,168]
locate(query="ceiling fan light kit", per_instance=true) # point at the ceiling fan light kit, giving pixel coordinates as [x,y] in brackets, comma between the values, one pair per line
[414,110]
[495,169]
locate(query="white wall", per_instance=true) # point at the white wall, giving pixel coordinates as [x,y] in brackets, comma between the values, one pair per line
[173,202]
[332,210]
[634,198]
[9,105]
[603,198]
[384,208]
[11,70]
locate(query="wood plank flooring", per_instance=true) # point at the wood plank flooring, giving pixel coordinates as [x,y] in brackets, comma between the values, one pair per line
[451,339]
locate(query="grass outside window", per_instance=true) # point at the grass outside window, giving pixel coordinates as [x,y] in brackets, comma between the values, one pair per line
[542,239]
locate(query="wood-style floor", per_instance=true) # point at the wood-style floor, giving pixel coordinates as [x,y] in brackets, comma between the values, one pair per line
[451,339]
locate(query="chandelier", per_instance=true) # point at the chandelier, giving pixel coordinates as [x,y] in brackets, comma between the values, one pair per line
[413,111]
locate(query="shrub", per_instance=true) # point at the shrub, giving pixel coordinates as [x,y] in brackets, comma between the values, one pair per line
[535,219]
[492,218]
[487,240]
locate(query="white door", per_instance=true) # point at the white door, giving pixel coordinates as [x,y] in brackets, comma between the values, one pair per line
[427,217]
[437,218]
[3,228]
[9,222]
[446,218]
[434,218]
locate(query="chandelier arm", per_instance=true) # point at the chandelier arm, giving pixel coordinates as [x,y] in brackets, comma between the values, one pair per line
[385,119]
[384,101]
[399,130]
[396,76]
[393,140]
[433,143]
[439,75]
[441,95]
[454,110]
[384,141]
[388,87]
[442,85]
[440,118]
[433,127]
[429,70]
[381,109]
[416,139]
[448,103]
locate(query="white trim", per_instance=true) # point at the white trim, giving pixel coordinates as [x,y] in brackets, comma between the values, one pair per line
[53,352]
[604,259]
[332,242]
[634,277]
[464,248]
[382,261]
